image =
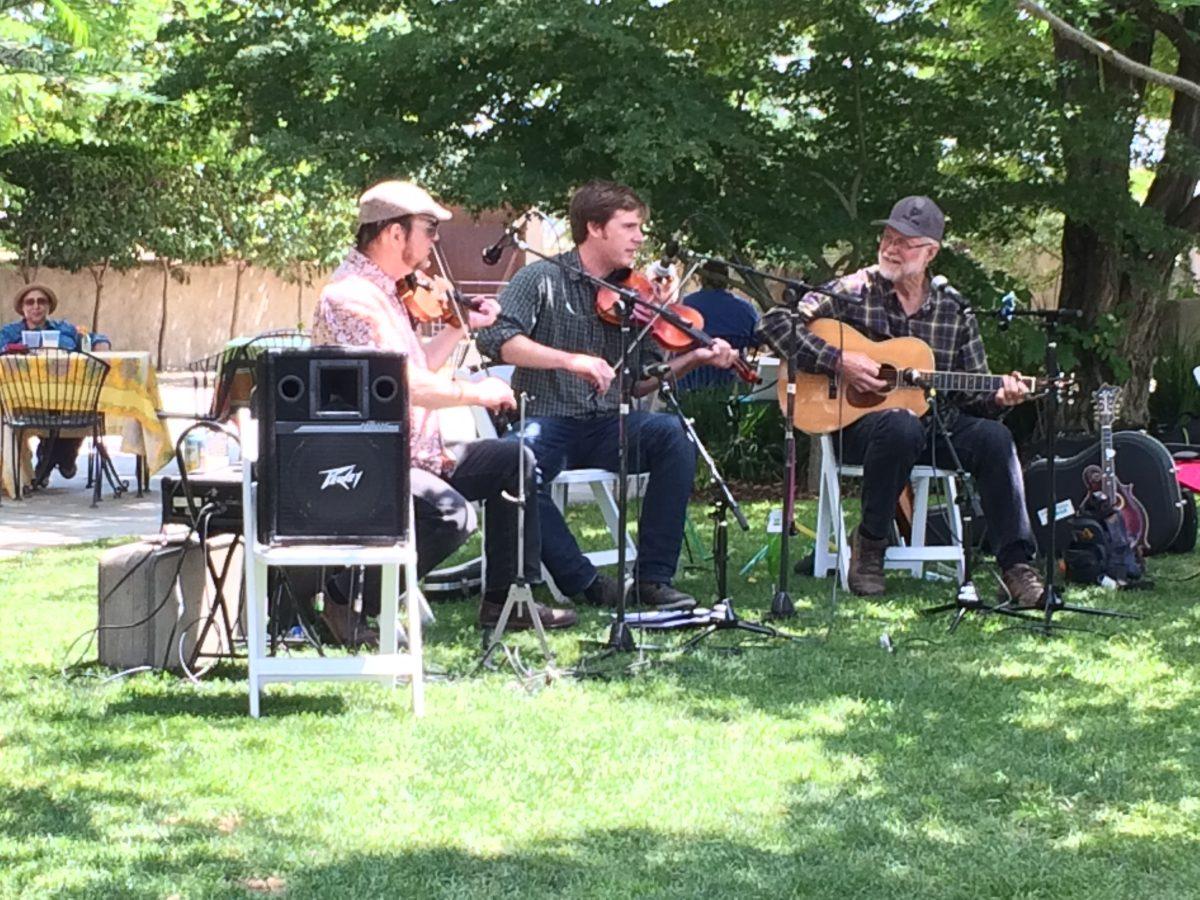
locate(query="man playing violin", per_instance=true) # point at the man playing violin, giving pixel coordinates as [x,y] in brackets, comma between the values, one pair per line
[895,298]
[565,354]
[361,306]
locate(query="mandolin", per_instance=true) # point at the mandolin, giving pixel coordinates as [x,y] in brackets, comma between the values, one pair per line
[906,364]
[1103,478]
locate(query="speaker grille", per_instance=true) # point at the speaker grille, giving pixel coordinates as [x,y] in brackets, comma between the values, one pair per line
[333,441]
[341,483]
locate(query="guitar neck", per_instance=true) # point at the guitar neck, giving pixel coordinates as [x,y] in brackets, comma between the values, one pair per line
[1108,456]
[968,382]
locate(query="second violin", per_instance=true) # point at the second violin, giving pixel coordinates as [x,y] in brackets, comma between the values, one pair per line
[679,336]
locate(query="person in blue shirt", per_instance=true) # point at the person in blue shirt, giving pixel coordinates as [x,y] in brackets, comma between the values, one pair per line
[35,303]
[726,315]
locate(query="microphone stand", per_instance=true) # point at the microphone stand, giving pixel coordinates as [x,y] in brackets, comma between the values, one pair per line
[1052,601]
[620,637]
[967,597]
[782,605]
[723,503]
[520,596]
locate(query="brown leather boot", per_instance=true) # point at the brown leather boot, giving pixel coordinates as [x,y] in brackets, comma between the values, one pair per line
[521,620]
[348,628]
[1023,587]
[866,565]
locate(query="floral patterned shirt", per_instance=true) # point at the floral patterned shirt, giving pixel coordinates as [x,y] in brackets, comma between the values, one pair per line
[360,307]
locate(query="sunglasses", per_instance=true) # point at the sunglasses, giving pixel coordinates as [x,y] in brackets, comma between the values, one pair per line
[37,299]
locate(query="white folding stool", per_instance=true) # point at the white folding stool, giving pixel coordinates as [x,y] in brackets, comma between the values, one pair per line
[831,525]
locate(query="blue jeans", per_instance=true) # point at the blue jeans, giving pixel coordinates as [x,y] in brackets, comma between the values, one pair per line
[888,444]
[657,445]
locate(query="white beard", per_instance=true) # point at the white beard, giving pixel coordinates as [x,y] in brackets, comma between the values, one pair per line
[894,272]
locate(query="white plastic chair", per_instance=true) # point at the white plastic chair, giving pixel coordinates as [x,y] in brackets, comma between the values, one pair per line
[601,481]
[390,663]
[831,524]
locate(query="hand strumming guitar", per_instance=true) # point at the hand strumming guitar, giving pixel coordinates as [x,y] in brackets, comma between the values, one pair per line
[861,372]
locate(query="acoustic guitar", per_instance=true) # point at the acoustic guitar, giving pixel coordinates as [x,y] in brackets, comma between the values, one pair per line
[906,364]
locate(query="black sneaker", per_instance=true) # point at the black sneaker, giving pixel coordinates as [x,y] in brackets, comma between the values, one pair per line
[603,592]
[663,597]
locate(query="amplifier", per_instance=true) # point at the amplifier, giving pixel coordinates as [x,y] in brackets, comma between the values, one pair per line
[333,446]
[222,487]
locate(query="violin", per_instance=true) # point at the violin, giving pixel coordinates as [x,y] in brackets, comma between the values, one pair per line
[432,298]
[672,337]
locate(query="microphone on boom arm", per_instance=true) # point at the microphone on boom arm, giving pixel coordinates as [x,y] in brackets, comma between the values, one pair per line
[491,255]
[941,285]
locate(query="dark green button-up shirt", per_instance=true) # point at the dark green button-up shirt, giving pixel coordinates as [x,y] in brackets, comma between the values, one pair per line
[557,308]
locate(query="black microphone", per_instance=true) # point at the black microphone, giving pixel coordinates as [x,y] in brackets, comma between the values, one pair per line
[941,284]
[657,370]
[491,255]
[1008,309]
[670,251]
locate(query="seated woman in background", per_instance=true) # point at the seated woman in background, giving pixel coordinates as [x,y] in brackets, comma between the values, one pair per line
[34,303]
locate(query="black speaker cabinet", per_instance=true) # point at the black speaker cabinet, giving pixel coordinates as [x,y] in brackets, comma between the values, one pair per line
[333,446]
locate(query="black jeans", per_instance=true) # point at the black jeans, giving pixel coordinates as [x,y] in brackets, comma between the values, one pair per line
[66,450]
[888,444]
[444,518]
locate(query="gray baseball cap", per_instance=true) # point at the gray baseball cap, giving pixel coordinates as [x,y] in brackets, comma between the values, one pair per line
[916,217]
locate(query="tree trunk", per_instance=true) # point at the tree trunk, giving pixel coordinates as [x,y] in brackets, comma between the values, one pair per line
[300,297]
[239,268]
[1142,331]
[162,322]
[1103,104]
[98,277]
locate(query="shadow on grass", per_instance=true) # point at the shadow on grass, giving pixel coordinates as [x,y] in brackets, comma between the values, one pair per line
[864,858]
[25,812]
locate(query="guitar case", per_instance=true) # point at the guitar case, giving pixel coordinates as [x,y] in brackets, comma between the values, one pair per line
[1142,462]
[1185,542]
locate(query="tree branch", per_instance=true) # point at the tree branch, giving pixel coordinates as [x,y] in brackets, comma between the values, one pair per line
[1104,51]
[1175,30]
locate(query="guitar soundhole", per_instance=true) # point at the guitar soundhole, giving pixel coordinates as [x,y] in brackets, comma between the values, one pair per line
[867,399]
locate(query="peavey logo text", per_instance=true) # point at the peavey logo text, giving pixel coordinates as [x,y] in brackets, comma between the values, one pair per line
[345,477]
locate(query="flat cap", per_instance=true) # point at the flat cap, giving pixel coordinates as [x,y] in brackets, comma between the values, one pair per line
[392,199]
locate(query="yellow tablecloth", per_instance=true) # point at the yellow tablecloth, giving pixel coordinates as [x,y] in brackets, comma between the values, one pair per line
[130,403]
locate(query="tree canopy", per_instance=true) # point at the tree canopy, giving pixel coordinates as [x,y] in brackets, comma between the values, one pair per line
[775,129]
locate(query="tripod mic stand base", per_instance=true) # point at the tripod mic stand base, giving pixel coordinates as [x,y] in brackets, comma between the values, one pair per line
[1052,603]
[620,638]
[730,621]
[782,606]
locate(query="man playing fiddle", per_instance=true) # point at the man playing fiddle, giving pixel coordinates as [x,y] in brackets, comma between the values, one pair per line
[564,352]
[361,306]
[895,298]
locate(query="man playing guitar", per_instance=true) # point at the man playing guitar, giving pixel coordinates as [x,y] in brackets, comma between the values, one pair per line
[895,298]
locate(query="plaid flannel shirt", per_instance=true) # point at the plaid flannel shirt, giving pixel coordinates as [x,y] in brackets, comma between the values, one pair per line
[877,313]
[557,308]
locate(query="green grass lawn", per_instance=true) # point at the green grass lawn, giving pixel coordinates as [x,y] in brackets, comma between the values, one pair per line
[991,763]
